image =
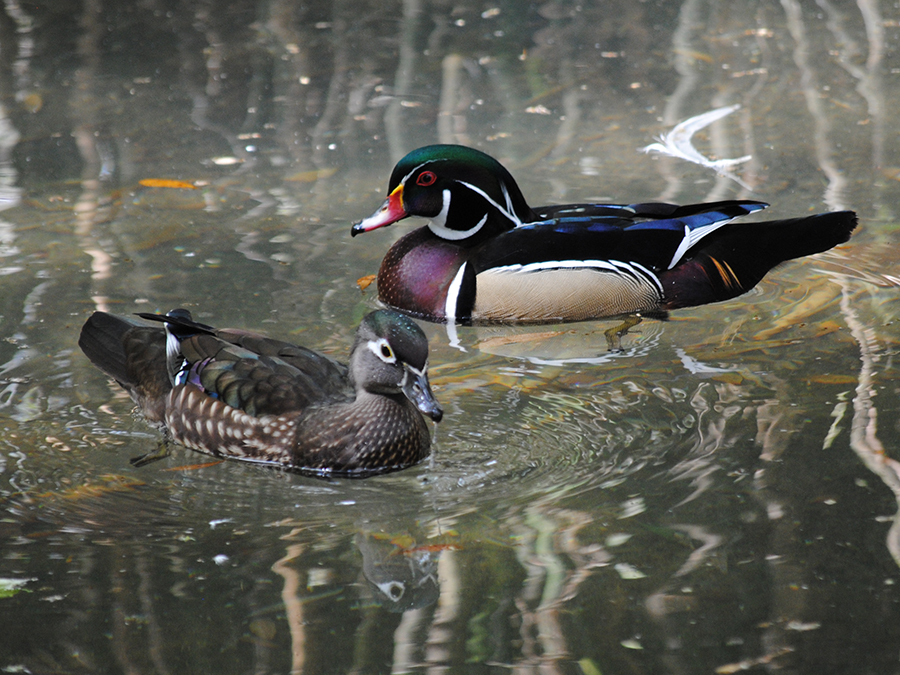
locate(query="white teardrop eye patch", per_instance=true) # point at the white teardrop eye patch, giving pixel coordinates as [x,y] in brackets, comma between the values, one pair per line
[382,350]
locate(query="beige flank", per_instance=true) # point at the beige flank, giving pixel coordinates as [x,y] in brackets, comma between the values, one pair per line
[559,295]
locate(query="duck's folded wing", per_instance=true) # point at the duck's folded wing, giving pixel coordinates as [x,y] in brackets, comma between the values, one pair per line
[654,236]
[262,376]
[734,260]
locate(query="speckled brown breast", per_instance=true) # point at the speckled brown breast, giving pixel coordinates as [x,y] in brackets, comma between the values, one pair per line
[374,434]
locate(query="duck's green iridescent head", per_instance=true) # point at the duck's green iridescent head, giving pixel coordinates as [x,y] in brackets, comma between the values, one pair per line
[460,189]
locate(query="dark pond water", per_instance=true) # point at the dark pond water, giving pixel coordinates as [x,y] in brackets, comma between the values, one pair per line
[719,496]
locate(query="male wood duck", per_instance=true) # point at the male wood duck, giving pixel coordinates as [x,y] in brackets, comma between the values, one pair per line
[237,394]
[486,256]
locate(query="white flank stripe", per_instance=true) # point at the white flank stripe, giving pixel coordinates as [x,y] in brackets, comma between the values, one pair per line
[453,293]
[622,269]
[560,264]
[650,275]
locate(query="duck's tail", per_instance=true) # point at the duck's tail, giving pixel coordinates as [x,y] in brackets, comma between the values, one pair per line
[733,260]
[131,353]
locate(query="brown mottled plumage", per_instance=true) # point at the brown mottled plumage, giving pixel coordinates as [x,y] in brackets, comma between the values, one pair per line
[240,395]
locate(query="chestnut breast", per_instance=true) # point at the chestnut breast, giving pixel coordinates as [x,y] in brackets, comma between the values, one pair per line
[417,272]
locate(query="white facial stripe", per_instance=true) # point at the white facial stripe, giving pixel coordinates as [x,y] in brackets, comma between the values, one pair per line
[440,220]
[406,177]
[443,232]
[614,266]
[510,214]
[416,371]
[453,293]
[376,347]
[509,205]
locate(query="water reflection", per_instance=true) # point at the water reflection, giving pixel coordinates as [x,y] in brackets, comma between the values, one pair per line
[630,518]
[721,494]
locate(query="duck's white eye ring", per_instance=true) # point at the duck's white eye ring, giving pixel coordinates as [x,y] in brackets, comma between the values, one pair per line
[382,350]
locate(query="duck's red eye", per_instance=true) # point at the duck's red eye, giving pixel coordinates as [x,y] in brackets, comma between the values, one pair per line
[426,178]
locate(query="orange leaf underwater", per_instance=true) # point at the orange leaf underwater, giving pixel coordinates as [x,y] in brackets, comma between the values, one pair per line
[166,183]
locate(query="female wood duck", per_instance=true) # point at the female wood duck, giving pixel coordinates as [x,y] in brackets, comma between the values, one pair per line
[236,394]
[486,256]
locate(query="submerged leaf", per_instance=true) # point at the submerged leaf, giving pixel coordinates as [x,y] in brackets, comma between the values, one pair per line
[193,467]
[311,176]
[166,183]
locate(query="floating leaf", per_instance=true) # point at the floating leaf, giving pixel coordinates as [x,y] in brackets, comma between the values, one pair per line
[166,183]
[365,282]
[614,540]
[588,667]
[9,587]
[629,572]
